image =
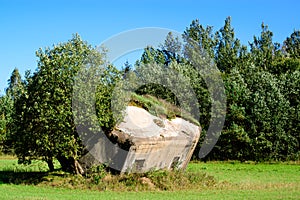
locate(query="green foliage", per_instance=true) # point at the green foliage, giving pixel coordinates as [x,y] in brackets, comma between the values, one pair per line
[284,65]
[290,87]
[166,82]
[152,55]
[228,47]
[15,85]
[234,142]
[267,116]
[201,35]
[292,44]
[263,49]
[172,45]
[262,90]
[258,119]
[44,116]
[175,80]
[7,111]
[107,118]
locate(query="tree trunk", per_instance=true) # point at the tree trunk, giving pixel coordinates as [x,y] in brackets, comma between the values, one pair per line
[66,164]
[70,165]
[50,165]
[78,168]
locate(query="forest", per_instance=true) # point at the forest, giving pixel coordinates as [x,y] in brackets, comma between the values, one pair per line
[261,81]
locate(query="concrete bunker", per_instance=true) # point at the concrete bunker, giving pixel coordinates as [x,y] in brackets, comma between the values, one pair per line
[144,142]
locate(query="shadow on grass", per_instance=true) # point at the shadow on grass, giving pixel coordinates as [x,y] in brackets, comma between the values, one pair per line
[28,178]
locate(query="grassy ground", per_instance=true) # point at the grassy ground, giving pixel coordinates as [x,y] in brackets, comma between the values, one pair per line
[233,180]
[32,192]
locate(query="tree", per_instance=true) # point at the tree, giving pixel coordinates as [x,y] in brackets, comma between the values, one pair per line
[234,142]
[258,110]
[7,110]
[44,115]
[204,37]
[292,44]
[15,85]
[228,47]
[152,55]
[172,49]
[263,49]
[290,87]
[172,45]
[267,113]
[283,65]
[165,56]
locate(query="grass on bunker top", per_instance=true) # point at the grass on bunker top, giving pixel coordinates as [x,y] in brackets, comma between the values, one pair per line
[160,107]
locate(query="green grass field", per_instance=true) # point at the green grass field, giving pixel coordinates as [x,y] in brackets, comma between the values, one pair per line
[233,180]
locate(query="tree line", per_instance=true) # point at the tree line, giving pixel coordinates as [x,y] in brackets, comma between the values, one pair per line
[261,83]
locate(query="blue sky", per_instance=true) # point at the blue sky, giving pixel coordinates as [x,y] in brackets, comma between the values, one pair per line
[28,25]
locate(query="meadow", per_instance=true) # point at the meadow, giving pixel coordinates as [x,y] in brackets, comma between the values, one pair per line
[221,180]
